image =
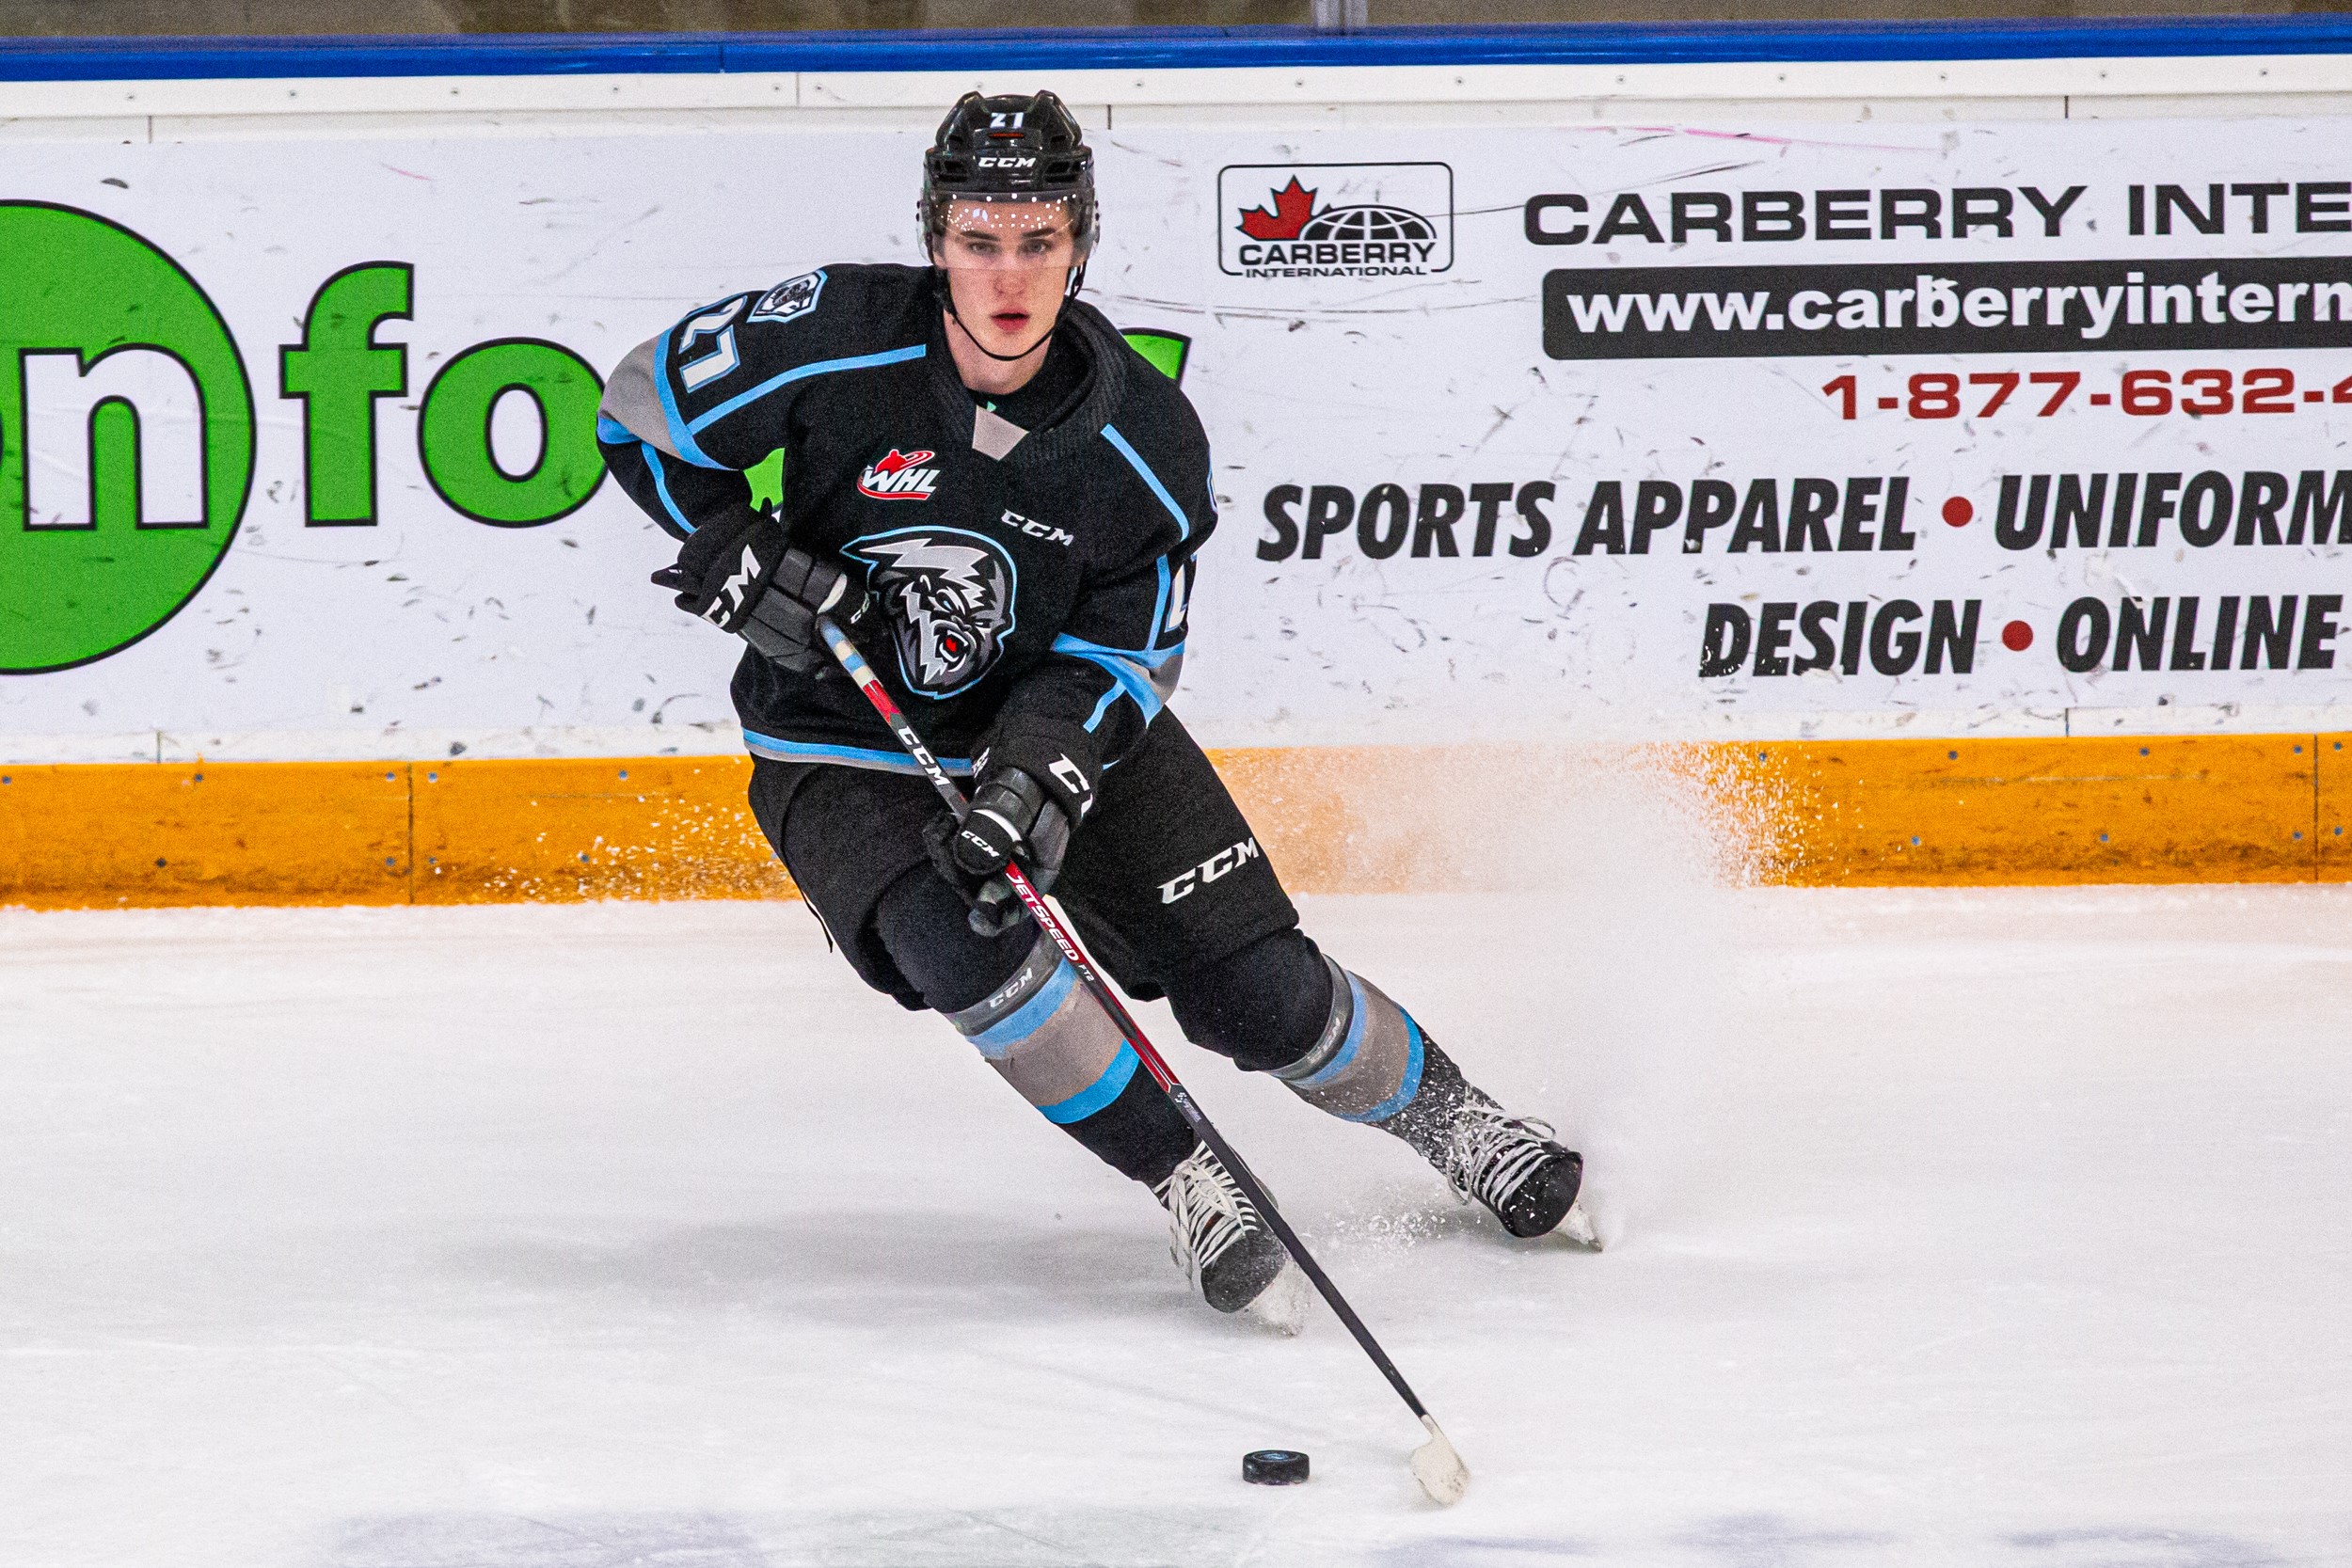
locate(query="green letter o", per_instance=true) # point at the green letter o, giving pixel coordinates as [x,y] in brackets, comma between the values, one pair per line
[453,431]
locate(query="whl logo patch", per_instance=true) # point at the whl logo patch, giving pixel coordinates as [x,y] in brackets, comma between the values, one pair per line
[903,476]
[126,438]
[1335,220]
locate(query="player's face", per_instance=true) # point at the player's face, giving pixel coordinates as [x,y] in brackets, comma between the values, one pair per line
[1008,265]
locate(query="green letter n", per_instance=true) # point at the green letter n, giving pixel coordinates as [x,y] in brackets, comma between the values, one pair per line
[339,370]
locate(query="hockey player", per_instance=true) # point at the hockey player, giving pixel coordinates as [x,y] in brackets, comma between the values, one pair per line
[1004,505]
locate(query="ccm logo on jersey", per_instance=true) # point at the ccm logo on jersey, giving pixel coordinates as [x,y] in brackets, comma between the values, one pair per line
[1215,867]
[899,477]
[1036,530]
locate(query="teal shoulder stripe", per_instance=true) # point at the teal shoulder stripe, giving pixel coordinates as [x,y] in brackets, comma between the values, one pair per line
[1135,461]
[822,367]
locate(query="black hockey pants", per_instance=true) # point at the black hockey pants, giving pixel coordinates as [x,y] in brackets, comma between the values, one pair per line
[1168,888]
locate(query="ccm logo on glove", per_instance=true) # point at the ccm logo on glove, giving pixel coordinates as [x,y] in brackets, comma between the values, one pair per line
[1217,866]
[728,603]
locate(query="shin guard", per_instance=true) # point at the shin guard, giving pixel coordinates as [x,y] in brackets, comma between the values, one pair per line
[1367,1065]
[1049,1039]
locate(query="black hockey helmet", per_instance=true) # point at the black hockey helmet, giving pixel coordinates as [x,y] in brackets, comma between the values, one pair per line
[1014,147]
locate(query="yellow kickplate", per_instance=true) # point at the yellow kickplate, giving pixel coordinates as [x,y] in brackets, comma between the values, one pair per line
[2331,814]
[1315,812]
[2103,809]
[2169,809]
[252,833]
[565,828]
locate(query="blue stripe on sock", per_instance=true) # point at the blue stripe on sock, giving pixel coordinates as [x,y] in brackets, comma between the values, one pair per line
[1027,1019]
[1100,1093]
[1406,1090]
[1338,1064]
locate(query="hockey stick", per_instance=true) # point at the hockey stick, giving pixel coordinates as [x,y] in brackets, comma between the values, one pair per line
[1435,1465]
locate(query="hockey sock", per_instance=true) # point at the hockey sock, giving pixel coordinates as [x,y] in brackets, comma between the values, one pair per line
[1264,1006]
[1428,1121]
[1056,1046]
[1371,1061]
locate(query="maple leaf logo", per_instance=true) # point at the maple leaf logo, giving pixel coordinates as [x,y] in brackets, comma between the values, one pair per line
[1293,204]
[898,460]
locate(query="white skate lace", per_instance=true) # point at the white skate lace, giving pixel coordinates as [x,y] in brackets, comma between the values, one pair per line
[1207,1213]
[1492,1155]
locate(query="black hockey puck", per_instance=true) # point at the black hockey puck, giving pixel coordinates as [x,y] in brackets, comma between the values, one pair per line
[1274,1468]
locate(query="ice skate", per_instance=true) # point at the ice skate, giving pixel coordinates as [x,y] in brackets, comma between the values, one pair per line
[1513,1165]
[1217,1237]
[1516,1168]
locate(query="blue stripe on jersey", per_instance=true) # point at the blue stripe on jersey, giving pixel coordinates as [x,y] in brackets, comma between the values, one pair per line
[1150,658]
[613,433]
[1097,1095]
[680,436]
[661,485]
[1103,705]
[1135,461]
[822,367]
[1127,668]
[1132,683]
[777,749]
[1184,524]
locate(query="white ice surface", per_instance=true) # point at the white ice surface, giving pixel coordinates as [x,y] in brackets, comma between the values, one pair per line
[1988,1229]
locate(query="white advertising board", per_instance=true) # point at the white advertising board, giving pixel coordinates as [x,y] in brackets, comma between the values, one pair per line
[1612,432]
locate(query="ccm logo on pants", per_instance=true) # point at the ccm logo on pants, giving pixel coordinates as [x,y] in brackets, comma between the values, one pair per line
[1184,882]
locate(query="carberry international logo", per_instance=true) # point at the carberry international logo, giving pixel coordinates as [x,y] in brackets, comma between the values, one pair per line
[1335,220]
[126,438]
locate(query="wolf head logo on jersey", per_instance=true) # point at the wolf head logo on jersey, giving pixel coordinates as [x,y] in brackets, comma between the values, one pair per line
[948,596]
[791,298]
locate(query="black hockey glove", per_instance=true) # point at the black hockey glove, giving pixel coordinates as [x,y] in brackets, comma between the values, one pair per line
[739,575]
[1011,818]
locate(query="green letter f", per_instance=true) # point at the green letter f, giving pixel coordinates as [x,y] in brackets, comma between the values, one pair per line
[339,370]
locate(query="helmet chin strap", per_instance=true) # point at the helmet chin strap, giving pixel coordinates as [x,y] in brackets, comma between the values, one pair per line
[948,297]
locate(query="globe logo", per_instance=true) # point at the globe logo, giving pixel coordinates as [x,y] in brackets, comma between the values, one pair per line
[1368,222]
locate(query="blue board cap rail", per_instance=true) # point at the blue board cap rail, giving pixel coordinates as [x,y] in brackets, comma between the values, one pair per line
[1160,48]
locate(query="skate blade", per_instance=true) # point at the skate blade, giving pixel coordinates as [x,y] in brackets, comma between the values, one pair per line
[1438,1468]
[1281,1307]
[1576,1226]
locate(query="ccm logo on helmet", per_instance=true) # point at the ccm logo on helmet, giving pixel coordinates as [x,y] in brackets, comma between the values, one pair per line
[1217,866]
[998,160]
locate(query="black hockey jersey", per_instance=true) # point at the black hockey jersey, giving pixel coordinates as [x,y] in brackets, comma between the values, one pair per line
[1033,582]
